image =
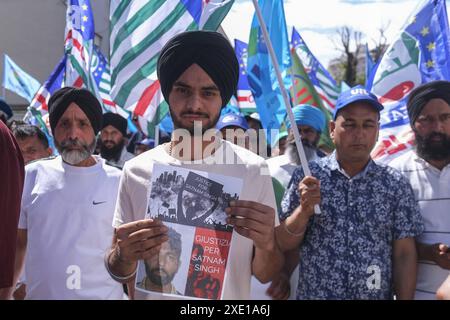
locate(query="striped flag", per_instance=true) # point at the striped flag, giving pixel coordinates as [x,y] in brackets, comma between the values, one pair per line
[102,77]
[38,110]
[79,44]
[85,65]
[37,113]
[303,92]
[245,99]
[139,30]
[324,83]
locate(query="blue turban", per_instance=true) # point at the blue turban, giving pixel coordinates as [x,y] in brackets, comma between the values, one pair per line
[307,115]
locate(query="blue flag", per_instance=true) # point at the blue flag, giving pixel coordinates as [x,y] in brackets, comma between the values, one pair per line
[53,83]
[344,86]
[370,68]
[261,73]
[420,54]
[18,81]
[37,113]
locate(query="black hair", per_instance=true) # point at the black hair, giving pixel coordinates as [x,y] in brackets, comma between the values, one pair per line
[174,241]
[24,131]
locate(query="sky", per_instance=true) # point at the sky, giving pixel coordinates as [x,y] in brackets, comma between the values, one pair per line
[318,20]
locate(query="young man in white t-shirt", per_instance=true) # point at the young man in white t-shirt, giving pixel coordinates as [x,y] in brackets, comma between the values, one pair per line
[67,208]
[427,168]
[198,73]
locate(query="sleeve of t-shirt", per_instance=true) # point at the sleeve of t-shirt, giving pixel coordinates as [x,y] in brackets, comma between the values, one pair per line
[407,218]
[122,213]
[23,220]
[291,198]
[30,181]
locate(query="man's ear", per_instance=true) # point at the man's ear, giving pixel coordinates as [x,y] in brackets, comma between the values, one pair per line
[49,151]
[332,127]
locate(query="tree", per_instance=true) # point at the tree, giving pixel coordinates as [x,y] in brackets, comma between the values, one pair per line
[347,36]
[349,67]
[380,43]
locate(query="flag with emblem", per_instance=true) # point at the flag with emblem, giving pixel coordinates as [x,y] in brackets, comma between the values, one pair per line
[260,71]
[139,30]
[79,44]
[420,54]
[18,81]
[101,74]
[323,82]
[245,98]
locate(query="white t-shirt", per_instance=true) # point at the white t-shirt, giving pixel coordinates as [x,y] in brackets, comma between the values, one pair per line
[67,212]
[432,190]
[281,168]
[134,191]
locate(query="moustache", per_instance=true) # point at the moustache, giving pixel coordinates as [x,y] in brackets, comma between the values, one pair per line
[108,142]
[70,143]
[160,271]
[305,143]
[195,114]
[434,135]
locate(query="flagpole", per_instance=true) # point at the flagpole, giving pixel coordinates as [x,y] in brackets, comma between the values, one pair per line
[156,135]
[298,141]
[4,76]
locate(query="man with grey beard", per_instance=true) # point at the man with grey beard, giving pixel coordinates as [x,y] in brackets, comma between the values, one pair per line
[67,208]
[427,168]
[310,122]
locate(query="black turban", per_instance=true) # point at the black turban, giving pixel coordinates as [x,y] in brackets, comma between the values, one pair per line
[118,122]
[210,50]
[62,98]
[420,96]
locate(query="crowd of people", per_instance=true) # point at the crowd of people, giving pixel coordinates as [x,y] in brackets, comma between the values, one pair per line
[74,227]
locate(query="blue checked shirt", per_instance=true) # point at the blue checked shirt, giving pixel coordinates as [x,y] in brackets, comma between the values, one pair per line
[347,249]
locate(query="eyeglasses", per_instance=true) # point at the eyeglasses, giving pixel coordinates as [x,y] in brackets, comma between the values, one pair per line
[443,118]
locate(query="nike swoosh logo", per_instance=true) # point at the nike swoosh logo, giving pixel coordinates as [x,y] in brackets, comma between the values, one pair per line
[96,203]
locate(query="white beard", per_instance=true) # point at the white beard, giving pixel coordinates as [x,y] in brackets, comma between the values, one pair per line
[75,156]
[291,151]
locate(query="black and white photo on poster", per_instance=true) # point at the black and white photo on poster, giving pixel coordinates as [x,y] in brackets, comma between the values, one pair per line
[192,197]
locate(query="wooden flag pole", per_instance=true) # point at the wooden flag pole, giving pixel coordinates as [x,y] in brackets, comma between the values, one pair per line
[298,140]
